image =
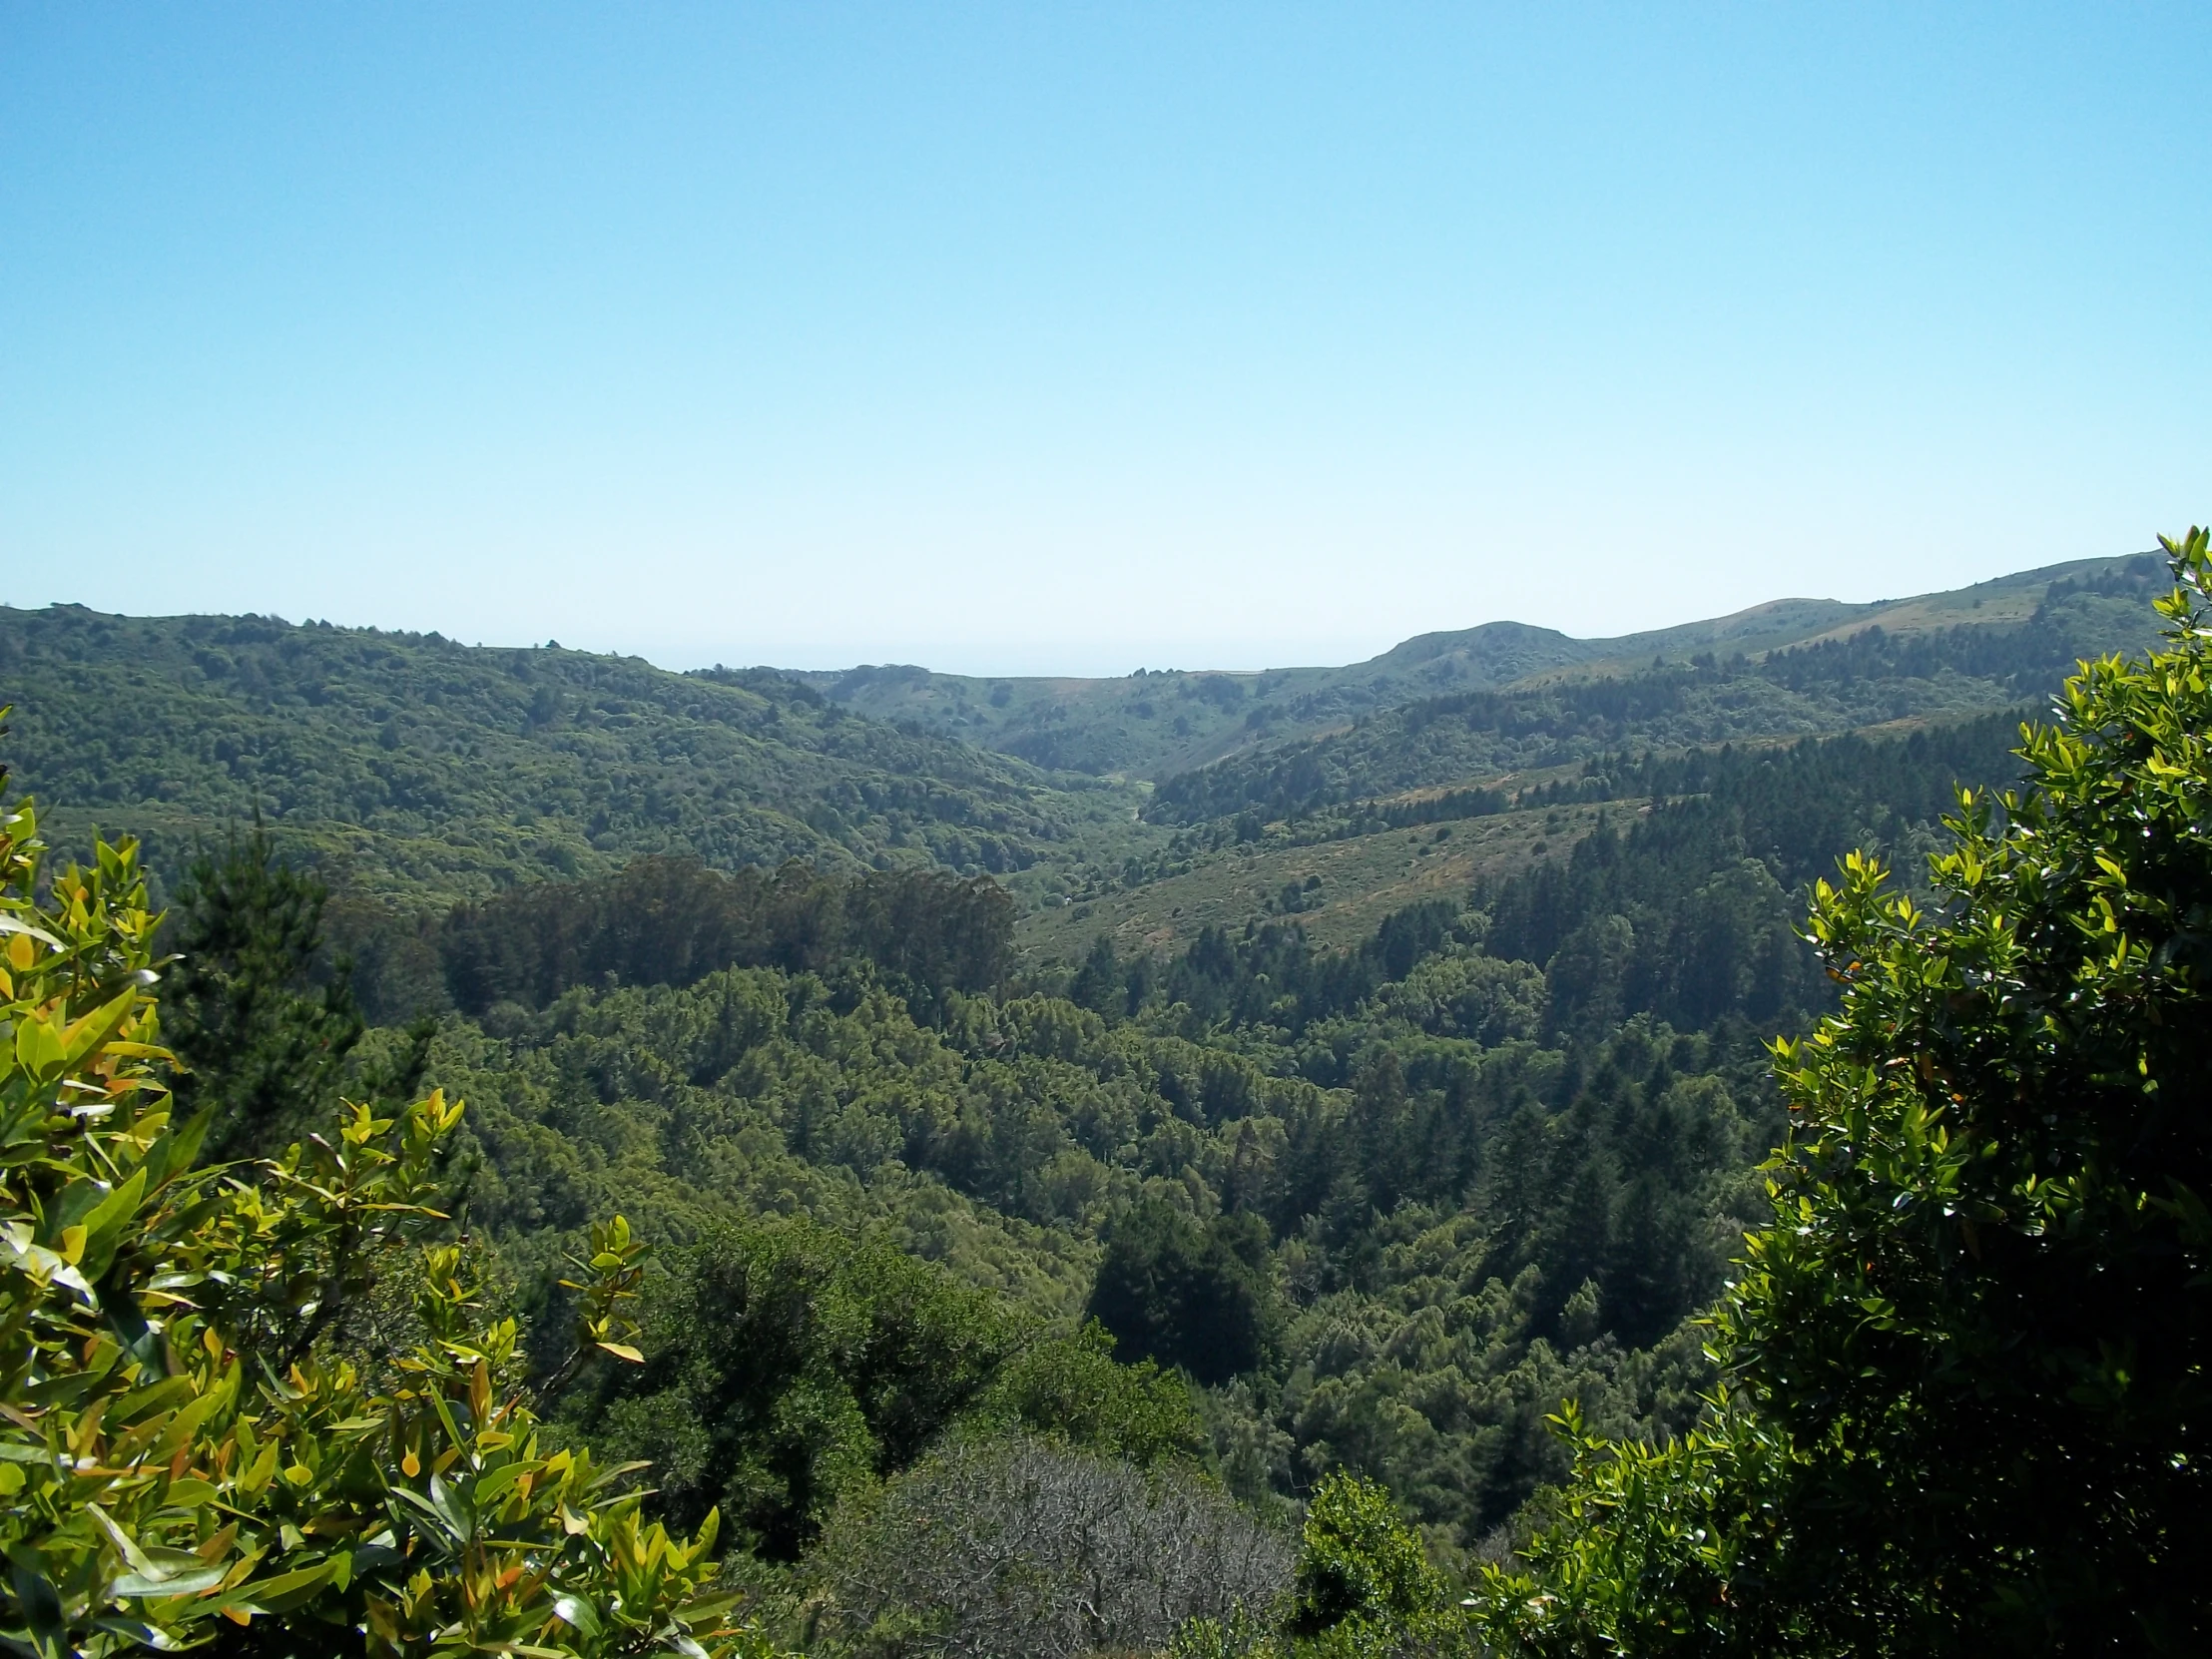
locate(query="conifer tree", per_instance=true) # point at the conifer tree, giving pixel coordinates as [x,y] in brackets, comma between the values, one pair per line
[261,1024]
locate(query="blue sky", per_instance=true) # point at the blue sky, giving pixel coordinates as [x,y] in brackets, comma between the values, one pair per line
[1085,337]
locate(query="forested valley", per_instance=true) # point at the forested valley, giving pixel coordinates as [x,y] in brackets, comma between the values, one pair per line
[1067,1200]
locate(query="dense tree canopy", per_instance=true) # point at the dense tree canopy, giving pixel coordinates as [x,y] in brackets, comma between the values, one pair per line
[1186,1292]
[790,1367]
[672,921]
[426,770]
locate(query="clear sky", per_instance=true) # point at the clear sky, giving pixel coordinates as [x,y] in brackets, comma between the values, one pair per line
[1088,337]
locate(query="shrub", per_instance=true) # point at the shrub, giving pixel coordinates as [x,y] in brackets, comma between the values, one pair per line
[1362,1588]
[1970,1362]
[186,1450]
[1029,1550]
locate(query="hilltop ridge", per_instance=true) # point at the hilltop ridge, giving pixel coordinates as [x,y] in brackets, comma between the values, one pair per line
[419,769]
[1154,724]
[415,770]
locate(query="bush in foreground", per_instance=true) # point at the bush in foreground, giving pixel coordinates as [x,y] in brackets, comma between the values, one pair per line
[1969,1363]
[189,1452]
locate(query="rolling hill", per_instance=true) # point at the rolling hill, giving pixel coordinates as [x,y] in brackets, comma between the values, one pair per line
[1838,680]
[416,772]
[422,771]
[1155,725]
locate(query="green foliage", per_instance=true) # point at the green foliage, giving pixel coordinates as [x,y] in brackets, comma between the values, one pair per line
[1968,1359]
[1071,1388]
[415,768]
[263,1046]
[182,1454]
[1100,984]
[1424,1230]
[790,1367]
[1185,1292]
[1870,677]
[1690,915]
[672,921]
[1389,1204]
[1273,976]
[1710,937]
[1360,1562]
[1430,1345]
[1362,1588]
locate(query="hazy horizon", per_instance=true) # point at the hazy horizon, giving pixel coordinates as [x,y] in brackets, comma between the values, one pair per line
[986,660]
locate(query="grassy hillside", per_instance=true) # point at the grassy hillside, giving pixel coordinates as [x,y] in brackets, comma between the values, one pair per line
[1157,724]
[1337,881]
[1338,890]
[415,768]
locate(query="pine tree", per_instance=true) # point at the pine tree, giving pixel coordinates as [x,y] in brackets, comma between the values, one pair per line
[261,1022]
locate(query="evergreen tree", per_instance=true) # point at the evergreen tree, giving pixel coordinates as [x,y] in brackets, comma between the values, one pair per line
[788,1367]
[1187,1293]
[1098,983]
[261,1021]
